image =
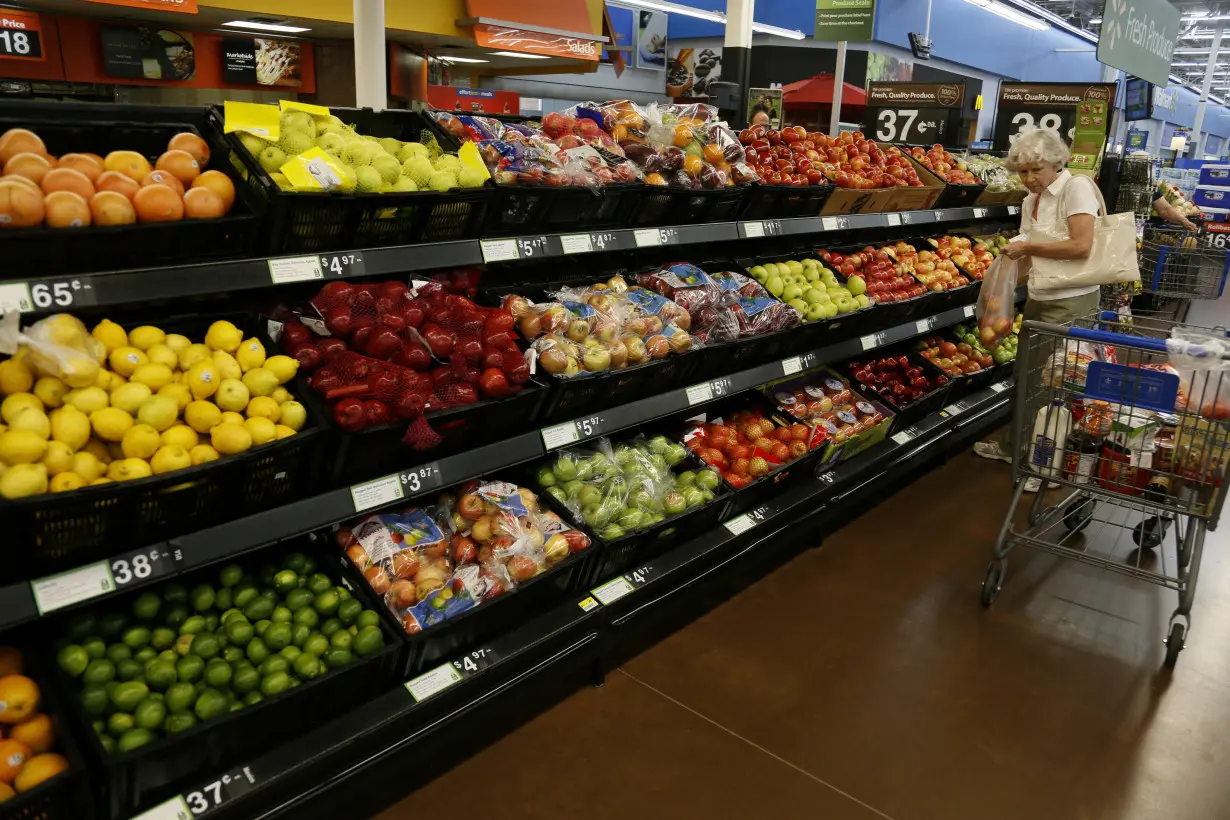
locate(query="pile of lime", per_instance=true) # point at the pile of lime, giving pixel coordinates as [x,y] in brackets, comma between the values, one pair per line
[182,657]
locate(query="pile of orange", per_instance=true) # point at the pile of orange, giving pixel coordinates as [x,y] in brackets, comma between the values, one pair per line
[76,190]
[26,759]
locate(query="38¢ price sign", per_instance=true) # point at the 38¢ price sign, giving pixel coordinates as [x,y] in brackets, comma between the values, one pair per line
[20,35]
[1063,108]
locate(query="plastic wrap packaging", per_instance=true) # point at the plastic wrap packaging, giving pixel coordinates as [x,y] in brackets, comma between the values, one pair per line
[1204,373]
[58,346]
[996,302]
[722,306]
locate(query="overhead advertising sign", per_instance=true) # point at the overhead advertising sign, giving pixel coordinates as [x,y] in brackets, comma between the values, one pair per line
[1080,114]
[914,112]
[259,61]
[1138,36]
[181,6]
[148,53]
[21,35]
[503,38]
[845,19]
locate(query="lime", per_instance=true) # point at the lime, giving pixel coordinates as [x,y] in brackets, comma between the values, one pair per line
[179,722]
[145,655]
[160,673]
[129,669]
[273,664]
[111,625]
[253,697]
[137,637]
[235,704]
[127,695]
[175,615]
[245,679]
[307,666]
[337,658]
[150,714]
[189,668]
[134,738]
[233,654]
[162,638]
[239,631]
[341,639]
[210,704]
[260,627]
[275,684]
[202,597]
[218,673]
[175,594]
[205,645]
[348,611]
[291,652]
[211,623]
[299,635]
[326,603]
[258,609]
[368,641]
[98,726]
[307,617]
[82,626]
[256,650]
[309,566]
[330,626]
[99,671]
[319,582]
[158,696]
[230,575]
[192,625]
[230,615]
[146,606]
[265,575]
[95,648]
[225,599]
[73,660]
[367,618]
[281,615]
[271,594]
[277,636]
[117,652]
[180,697]
[108,743]
[297,599]
[343,594]
[183,644]
[94,700]
[244,595]
[119,723]
[285,581]
[317,644]
[296,561]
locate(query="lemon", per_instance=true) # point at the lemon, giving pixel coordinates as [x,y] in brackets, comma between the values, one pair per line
[22,480]
[232,395]
[21,447]
[251,353]
[103,480]
[116,449]
[228,438]
[179,392]
[228,368]
[14,404]
[152,375]
[146,336]
[141,441]
[260,381]
[64,329]
[283,431]
[87,399]
[110,334]
[108,381]
[203,453]
[70,426]
[284,367]
[177,343]
[192,354]
[15,377]
[87,466]
[58,458]
[124,360]
[181,435]
[129,397]
[51,391]
[263,407]
[161,354]
[280,394]
[98,449]
[293,415]
[231,418]
[203,379]
[77,369]
[110,423]
[202,415]
[223,335]
[159,412]
[127,469]
[261,429]
[65,481]
[170,458]
[35,421]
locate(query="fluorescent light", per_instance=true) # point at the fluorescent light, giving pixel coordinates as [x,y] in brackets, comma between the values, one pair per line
[1054,19]
[259,26]
[765,28]
[1199,18]
[675,8]
[519,54]
[451,59]
[1093,21]
[1010,14]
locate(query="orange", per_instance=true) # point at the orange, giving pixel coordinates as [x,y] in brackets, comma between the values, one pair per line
[654,179]
[112,208]
[202,203]
[692,164]
[220,184]
[18,698]
[180,163]
[13,755]
[39,769]
[31,166]
[163,178]
[23,181]
[683,136]
[10,661]
[19,141]
[20,207]
[192,144]
[129,163]
[37,733]
[158,203]
[6,792]
[120,183]
[66,179]
[84,163]
[713,154]
[65,209]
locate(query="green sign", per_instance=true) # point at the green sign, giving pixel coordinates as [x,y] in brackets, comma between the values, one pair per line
[1137,140]
[1138,36]
[846,19]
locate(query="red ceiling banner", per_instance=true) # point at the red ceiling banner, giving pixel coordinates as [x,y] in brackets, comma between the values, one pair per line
[21,36]
[535,42]
[181,6]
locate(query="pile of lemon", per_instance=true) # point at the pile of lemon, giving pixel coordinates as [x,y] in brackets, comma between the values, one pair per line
[157,402]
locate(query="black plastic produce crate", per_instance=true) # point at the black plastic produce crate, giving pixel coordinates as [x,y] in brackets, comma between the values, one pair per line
[63,530]
[127,782]
[887,314]
[784,201]
[522,209]
[912,412]
[71,127]
[310,222]
[664,205]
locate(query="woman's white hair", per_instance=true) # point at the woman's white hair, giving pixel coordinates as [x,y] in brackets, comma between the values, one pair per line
[1038,146]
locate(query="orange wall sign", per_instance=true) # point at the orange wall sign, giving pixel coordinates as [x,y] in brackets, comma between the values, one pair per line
[21,36]
[181,6]
[534,42]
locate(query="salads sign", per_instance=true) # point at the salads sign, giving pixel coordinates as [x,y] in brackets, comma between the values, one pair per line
[1078,113]
[1138,36]
[845,19]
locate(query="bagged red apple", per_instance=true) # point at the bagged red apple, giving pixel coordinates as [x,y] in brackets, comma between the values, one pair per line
[997,302]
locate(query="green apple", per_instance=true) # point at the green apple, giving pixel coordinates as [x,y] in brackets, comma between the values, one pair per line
[774,285]
[811,275]
[813,296]
[862,300]
[791,292]
[856,285]
[846,304]
[799,305]
[814,312]
[795,267]
[758,273]
[810,264]
[831,308]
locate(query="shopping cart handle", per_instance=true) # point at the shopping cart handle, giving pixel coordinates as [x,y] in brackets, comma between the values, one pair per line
[1105,337]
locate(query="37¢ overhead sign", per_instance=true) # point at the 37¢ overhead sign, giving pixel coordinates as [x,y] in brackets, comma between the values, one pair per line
[20,35]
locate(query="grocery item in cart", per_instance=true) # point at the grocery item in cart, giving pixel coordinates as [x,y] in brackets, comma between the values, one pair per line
[996,301]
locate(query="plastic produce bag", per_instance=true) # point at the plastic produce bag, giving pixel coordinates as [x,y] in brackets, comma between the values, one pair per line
[1204,373]
[996,302]
[58,346]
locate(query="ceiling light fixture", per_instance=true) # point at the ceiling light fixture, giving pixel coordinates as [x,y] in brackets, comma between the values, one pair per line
[520,55]
[1199,18]
[765,28]
[1093,21]
[452,59]
[675,8]
[1010,14]
[261,26]
[1055,20]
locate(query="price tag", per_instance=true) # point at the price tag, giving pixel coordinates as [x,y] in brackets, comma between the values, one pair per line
[905,436]
[872,341]
[499,250]
[588,605]
[294,269]
[668,235]
[647,238]
[969,311]
[752,230]
[57,294]
[377,493]
[923,325]
[1013,210]
[698,393]
[893,219]
[420,479]
[230,786]
[72,587]
[721,387]
[917,217]
[589,427]
[344,264]
[577,243]
[433,682]
[739,524]
[531,246]
[640,576]
[827,478]
[15,298]
[474,662]
[1000,387]
[791,366]
[604,241]
[979,213]
[955,409]
[145,564]
[560,435]
[173,809]
[829,223]
[613,590]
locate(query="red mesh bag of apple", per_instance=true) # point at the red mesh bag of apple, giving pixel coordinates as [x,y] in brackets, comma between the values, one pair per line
[997,302]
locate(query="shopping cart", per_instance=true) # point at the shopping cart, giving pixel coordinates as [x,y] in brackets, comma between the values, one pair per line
[1178,264]
[1139,450]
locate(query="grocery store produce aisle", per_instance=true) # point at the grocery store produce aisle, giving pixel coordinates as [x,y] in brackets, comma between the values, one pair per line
[863,680]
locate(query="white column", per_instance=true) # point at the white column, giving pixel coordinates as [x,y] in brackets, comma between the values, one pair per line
[370,52]
[1209,70]
[739,23]
[839,80]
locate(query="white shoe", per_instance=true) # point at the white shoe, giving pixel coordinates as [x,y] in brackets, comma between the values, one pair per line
[992,450]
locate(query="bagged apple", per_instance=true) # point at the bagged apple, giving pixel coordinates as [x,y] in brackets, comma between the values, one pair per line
[997,302]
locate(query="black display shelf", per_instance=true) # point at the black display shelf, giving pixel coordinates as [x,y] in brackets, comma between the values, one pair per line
[350,758]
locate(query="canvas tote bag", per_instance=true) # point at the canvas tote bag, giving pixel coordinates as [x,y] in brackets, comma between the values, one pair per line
[1111,260]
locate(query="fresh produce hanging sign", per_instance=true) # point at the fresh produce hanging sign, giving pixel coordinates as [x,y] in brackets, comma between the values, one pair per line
[20,35]
[1078,113]
[1139,37]
[914,112]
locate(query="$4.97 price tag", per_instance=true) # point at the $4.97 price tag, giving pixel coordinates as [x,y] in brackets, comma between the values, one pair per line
[344,264]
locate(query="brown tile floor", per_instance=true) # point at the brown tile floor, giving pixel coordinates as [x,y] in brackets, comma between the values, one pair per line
[864,680]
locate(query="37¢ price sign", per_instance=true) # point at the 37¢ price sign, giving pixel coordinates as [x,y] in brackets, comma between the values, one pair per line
[20,35]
